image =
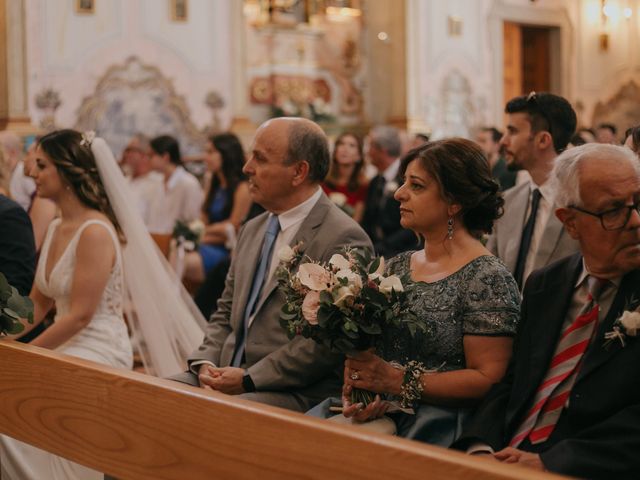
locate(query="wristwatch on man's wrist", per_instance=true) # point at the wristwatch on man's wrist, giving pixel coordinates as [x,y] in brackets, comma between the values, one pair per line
[247,383]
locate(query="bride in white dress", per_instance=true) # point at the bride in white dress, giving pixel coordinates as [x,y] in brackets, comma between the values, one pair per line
[87,274]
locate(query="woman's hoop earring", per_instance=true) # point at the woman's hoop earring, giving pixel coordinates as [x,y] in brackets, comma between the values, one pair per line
[450,228]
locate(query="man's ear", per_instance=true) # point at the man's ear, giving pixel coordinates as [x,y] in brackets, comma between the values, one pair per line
[301,173]
[568,218]
[544,140]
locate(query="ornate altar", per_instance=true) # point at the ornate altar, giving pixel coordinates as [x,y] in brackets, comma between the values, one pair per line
[137,98]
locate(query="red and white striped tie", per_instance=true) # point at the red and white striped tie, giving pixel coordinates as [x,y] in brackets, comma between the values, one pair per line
[553,392]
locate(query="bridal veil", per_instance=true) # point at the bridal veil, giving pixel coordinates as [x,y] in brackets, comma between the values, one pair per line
[166,324]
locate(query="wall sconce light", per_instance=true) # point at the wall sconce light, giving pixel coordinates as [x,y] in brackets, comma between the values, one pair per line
[454,26]
[606,12]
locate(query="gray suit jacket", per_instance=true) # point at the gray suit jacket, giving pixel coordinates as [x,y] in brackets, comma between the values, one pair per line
[504,242]
[278,366]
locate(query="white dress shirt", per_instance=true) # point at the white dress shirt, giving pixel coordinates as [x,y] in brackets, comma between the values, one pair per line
[145,188]
[290,222]
[180,199]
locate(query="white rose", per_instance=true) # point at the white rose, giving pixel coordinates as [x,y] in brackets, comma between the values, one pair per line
[197,227]
[342,296]
[631,323]
[391,283]
[286,254]
[339,262]
[355,281]
[340,199]
[315,277]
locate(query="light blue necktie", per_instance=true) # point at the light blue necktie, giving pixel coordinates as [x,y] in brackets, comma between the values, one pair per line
[273,227]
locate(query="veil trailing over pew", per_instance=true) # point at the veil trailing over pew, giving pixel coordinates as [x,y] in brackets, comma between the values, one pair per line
[166,324]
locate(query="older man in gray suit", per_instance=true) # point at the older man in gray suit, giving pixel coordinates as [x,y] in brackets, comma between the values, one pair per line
[529,236]
[245,351]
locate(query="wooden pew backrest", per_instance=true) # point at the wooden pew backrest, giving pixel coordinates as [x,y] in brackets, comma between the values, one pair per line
[131,425]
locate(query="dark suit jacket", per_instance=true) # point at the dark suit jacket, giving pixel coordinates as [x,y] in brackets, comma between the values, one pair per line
[17,246]
[598,434]
[381,220]
[298,367]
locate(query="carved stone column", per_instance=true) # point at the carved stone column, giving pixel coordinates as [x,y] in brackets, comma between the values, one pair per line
[14,102]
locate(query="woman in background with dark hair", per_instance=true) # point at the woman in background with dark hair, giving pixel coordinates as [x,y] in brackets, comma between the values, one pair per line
[346,184]
[227,204]
[181,195]
[466,297]
[632,139]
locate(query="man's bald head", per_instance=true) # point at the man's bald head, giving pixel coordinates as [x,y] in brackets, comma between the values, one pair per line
[306,142]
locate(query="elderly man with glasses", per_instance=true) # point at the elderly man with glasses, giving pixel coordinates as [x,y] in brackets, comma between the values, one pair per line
[528,236]
[570,401]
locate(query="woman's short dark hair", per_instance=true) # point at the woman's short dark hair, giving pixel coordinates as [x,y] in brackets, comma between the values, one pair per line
[463,174]
[167,144]
[76,164]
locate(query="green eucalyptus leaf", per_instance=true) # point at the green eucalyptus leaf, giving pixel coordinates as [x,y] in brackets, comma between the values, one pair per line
[10,313]
[17,327]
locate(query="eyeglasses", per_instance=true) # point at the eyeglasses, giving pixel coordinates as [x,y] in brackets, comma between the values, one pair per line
[614,219]
[533,100]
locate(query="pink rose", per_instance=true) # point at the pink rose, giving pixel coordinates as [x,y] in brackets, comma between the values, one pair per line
[310,306]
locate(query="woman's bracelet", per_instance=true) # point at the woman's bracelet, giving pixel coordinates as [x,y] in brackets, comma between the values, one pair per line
[412,387]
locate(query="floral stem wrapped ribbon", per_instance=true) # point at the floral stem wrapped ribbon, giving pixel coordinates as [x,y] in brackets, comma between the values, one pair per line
[188,234]
[343,304]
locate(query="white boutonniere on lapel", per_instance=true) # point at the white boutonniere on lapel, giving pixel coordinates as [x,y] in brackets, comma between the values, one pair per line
[390,187]
[626,325]
[289,258]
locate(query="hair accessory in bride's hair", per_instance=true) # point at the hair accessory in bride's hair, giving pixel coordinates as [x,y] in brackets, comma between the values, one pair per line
[87,138]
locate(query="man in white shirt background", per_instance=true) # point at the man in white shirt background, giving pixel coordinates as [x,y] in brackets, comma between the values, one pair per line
[181,195]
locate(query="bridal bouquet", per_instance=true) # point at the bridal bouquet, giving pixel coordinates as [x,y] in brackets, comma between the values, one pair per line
[188,234]
[343,304]
[13,307]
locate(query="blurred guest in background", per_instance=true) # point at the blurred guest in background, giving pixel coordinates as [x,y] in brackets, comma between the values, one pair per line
[226,205]
[21,187]
[144,182]
[346,184]
[489,140]
[181,196]
[381,218]
[606,133]
[632,139]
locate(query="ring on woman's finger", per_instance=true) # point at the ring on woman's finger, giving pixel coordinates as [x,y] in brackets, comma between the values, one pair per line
[355,375]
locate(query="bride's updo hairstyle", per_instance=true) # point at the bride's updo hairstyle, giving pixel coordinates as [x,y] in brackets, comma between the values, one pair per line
[71,154]
[463,175]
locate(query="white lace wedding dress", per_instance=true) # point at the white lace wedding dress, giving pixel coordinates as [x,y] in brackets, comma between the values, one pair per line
[104,340]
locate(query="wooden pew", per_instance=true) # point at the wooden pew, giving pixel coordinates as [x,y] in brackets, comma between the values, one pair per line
[133,426]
